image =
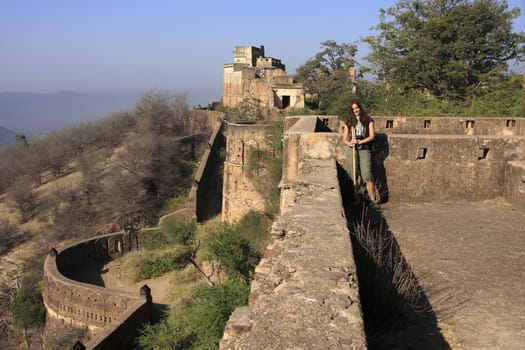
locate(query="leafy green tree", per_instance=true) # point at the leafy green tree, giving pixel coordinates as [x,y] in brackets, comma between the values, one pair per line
[327,74]
[448,48]
[28,308]
[227,245]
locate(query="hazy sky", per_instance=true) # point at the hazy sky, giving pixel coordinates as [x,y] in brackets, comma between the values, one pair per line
[166,45]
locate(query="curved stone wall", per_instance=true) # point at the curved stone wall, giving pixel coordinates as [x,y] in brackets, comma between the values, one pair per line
[81,304]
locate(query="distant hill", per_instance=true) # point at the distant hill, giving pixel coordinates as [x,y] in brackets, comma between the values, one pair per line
[7,137]
[38,114]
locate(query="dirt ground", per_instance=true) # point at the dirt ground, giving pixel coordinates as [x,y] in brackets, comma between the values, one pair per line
[469,259]
[116,275]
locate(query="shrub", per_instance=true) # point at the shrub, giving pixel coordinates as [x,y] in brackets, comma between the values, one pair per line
[227,245]
[157,263]
[255,228]
[171,232]
[28,308]
[199,322]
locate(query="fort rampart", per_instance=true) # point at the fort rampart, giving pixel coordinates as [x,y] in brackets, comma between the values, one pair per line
[304,294]
[426,159]
[245,142]
[305,286]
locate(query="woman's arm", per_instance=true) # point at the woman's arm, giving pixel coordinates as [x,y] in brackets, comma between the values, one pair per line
[346,139]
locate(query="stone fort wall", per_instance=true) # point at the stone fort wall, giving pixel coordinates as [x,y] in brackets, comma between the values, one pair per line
[426,159]
[414,161]
[103,311]
[438,159]
[238,193]
[304,267]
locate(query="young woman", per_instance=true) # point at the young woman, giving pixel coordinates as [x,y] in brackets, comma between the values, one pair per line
[358,134]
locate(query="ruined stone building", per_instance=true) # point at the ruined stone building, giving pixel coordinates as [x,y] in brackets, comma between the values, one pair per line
[255,78]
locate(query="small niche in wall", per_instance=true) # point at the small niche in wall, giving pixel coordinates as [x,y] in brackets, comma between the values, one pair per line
[389,124]
[421,153]
[511,123]
[482,153]
[469,124]
[426,125]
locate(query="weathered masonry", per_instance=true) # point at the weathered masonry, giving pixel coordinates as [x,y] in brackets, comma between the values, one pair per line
[254,78]
[112,317]
[304,294]
[436,159]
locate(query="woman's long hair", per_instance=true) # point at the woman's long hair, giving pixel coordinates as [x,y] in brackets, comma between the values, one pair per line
[352,119]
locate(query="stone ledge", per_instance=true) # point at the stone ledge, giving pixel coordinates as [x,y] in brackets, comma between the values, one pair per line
[305,293]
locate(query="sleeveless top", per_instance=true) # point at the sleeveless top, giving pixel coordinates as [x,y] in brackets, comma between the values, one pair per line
[361,132]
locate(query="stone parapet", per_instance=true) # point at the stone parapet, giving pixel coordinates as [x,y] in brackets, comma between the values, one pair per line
[515,184]
[100,310]
[305,293]
[423,168]
[450,125]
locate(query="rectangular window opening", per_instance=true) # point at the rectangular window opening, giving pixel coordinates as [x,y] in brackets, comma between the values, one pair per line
[470,124]
[286,102]
[482,153]
[421,153]
[389,124]
[427,124]
[511,123]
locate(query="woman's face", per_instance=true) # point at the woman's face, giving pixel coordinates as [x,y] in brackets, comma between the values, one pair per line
[356,109]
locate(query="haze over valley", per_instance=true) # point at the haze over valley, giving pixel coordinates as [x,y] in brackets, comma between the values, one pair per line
[36,114]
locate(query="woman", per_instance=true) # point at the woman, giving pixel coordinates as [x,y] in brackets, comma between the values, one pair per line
[358,134]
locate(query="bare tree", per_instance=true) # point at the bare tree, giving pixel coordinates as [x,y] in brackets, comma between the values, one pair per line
[21,193]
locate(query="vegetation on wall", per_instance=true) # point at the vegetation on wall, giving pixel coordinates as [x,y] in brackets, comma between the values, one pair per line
[264,169]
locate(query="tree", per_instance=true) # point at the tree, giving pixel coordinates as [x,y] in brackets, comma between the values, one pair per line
[22,194]
[162,114]
[22,140]
[448,48]
[327,74]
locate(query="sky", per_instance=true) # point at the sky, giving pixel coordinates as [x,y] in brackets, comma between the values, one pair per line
[167,45]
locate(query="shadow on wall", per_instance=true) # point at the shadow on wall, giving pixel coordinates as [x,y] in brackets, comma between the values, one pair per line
[380,152]
[396,311]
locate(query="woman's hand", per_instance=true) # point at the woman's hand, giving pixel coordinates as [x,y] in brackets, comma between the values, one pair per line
[346,134]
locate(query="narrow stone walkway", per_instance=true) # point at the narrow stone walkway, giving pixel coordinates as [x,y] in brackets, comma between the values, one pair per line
[470,261]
